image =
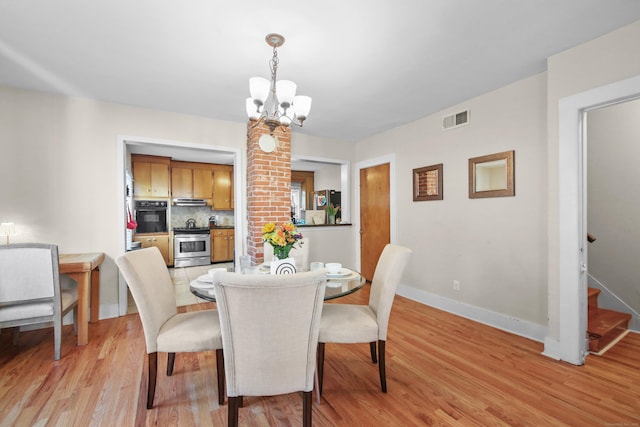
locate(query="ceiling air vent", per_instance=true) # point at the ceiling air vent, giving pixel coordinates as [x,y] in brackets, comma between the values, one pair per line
[455,120]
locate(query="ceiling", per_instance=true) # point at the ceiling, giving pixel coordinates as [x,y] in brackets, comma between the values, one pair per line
[368,65]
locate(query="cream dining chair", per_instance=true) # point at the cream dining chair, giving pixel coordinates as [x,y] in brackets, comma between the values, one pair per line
[350,323]
[165,329]
[32,290]
[269,334]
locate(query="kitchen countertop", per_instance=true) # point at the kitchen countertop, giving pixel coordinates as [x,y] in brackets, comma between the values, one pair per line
[222,227]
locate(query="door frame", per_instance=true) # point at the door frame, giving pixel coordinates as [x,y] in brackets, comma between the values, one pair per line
[393,223]
[239,181]
[571,345]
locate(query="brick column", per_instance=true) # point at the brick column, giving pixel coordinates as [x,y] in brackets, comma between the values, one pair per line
[268,185]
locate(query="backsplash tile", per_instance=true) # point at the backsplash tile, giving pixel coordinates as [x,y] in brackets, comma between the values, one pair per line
[180,215]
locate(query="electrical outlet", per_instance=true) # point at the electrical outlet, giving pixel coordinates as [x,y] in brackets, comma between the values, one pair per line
[456,285]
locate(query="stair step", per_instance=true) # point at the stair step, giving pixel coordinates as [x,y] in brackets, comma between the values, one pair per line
[592,305]
[605,326]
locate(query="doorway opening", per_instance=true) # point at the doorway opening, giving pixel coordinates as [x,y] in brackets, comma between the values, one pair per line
[127,145]
[571,345]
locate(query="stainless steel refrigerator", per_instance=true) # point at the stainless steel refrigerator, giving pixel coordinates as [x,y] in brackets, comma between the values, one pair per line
[324,198]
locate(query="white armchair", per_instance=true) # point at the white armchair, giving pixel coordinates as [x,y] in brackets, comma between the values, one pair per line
[32,291]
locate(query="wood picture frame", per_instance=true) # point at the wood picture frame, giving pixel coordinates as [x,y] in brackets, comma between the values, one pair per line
[427,183]
[492,175]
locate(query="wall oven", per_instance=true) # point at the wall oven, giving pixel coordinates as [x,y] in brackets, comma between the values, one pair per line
[191,246]
[151,216]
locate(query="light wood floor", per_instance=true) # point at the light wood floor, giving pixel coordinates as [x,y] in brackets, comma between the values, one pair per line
[441,370]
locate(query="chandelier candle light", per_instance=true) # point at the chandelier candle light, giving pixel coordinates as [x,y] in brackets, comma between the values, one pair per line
[275,102]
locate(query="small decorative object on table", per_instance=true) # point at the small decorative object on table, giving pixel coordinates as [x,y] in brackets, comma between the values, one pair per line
[282,238]
[332,211]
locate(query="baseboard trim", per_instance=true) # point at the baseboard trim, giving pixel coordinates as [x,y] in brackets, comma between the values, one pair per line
[494,319]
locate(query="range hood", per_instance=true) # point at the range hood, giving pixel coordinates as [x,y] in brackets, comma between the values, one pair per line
[189,202]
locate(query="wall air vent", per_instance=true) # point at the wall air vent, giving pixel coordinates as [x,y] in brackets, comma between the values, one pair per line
[455,120]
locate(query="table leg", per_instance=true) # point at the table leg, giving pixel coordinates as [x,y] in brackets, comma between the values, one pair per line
[83,307]
[95,295]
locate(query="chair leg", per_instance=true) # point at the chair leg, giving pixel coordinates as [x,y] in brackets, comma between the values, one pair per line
[220,369]
[306,408]
[320,365]
[15,332]
[151,388]
[171,358]
[316,386]
[381,367]
[372,347]
[233,411]
[57,337]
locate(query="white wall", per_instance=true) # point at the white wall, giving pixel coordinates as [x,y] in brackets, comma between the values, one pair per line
[496,247]
[327,178]
[59,167]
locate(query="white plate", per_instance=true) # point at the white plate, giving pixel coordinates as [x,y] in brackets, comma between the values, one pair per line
[344,272]
[205,278]
[199,284]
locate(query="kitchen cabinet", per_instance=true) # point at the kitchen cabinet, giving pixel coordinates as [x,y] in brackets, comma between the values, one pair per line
[222,244]
[222,187]
[202,184]
[192,180]
[150,176]
[159,240]
[181,182]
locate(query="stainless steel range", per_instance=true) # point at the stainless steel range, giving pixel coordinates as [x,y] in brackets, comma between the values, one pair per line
[191,246]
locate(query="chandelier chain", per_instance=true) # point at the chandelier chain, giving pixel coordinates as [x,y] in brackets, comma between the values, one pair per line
[273,64]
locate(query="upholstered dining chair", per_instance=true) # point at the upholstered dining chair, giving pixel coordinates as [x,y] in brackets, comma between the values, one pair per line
[269,335]
[165,329]
[32,290]
[351,323]
[300,253]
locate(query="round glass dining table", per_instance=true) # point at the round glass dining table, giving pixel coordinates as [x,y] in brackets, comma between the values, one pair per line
[338,285]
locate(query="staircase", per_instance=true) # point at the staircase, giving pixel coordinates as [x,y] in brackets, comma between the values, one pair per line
[606,327]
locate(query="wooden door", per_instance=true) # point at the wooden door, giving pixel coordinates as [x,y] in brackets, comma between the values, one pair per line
[160,179]
[375,216]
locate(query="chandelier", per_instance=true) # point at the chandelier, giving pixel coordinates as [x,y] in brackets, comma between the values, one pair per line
[275,102]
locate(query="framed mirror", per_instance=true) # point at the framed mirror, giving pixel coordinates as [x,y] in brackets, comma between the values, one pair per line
[492,175]
[427,183]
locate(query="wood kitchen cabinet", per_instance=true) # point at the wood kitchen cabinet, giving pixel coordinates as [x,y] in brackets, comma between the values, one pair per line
[222,187]
[181,182]
[150,176]
[159,240]
[192,180]
[222,244]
